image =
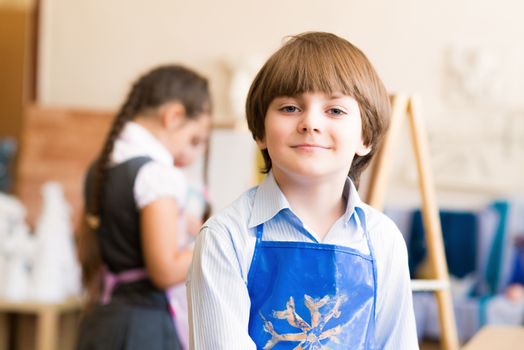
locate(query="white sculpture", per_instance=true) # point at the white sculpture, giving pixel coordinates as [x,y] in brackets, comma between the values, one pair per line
[243,71]
[19,249]
[56,272]
[16,249]
[482,151]
[475,76]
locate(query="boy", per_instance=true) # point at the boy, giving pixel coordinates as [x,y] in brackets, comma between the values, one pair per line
[300,262]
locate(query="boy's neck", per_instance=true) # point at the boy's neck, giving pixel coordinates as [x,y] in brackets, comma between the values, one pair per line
[319,203]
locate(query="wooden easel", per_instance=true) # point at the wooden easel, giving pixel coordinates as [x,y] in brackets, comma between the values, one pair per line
[403,106]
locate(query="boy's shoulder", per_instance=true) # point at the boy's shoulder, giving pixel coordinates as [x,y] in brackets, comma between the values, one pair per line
[236,215]
[387,240]
[380,225]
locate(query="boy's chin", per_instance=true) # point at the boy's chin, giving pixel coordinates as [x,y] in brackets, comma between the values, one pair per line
[310,173]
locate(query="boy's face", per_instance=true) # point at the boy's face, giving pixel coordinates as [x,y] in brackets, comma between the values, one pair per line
[313,135]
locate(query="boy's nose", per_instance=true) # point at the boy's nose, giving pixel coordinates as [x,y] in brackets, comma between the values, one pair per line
[311,121]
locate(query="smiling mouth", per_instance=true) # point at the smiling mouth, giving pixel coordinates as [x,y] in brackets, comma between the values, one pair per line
[309,146]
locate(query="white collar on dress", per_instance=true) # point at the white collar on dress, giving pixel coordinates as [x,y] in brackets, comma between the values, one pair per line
[136,141]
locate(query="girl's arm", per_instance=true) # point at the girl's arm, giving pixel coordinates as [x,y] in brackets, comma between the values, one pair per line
[165,263]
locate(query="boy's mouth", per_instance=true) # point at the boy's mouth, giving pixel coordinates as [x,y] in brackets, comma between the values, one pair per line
[309,146]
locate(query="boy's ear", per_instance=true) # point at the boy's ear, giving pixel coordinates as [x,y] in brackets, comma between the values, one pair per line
[261,143]
[363,150]
[172,115]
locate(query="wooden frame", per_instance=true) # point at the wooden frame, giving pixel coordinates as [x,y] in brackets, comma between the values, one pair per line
[402,107]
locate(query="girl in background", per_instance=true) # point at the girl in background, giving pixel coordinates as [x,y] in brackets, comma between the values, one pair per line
[135,196]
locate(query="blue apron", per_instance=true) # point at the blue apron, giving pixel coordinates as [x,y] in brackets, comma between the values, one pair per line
[311,296]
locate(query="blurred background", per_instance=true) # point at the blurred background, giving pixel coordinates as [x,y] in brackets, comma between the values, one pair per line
[65,66]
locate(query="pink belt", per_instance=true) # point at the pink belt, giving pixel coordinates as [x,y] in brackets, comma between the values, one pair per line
[111,280]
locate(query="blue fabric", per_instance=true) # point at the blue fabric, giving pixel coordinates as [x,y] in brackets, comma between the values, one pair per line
[483,309]
[493,266]
[492,272]
[459,231]
[7,154]
[517,274]
[311,296]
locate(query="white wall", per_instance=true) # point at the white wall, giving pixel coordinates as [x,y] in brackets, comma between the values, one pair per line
[92,50]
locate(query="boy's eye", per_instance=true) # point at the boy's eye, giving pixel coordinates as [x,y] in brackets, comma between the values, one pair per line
[336,111]
[289,109]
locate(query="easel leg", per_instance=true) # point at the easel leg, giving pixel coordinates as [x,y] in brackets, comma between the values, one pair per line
[402,105]
[432,227]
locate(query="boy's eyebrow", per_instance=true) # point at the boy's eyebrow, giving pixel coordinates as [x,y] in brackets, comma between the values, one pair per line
[329,96]
[279,98]
[336,95]
[286,96]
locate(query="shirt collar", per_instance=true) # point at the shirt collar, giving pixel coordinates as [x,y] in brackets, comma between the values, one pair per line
[269,201]
[135,140]
[354,204]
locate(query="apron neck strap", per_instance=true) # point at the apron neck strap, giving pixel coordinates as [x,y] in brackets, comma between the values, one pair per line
[260,230]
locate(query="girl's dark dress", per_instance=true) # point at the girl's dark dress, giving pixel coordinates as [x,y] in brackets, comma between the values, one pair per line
[137,317]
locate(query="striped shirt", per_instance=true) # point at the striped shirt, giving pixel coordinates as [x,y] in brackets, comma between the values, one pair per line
[217,282]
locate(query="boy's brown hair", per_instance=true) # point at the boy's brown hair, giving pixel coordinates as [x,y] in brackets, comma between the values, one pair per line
[321,62]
